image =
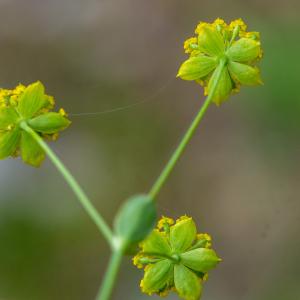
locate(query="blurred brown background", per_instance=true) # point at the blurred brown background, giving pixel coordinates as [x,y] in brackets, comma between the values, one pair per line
[239,177]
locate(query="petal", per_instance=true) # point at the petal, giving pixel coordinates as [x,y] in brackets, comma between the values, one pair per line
[49,123]
[182,234]
[8,142]
[8,117]
[32,100]
[156,243]
[197,67]
[244,74]
[187,284]
[244,50]
[157,276]
[210,40]
[224,86]
[201,259]
[31,152]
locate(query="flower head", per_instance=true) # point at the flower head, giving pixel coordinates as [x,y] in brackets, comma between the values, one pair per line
[31,105]
[227,43]
[175,257]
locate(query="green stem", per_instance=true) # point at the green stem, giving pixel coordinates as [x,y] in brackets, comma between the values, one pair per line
[110,276]
[161,180]
[234,34]
[82,197]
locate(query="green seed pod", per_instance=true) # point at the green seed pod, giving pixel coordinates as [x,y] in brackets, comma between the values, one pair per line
[135,220]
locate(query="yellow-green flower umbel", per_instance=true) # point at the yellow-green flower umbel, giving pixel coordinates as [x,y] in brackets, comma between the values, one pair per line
[176,258]
[31,105]
[218,42]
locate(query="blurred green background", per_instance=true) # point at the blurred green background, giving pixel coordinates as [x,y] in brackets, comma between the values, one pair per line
[239,178]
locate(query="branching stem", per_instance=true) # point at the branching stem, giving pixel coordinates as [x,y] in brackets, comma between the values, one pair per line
[117,254]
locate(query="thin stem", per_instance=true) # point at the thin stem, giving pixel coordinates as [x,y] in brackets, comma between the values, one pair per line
[82,197]
[110,275]
[234,34]
[161,180]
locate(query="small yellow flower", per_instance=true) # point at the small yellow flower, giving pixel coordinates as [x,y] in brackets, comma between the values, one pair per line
[165,221]
[136,261]
[240,23]
[215,45]
[62,112]
[189,44]
[175,258]
[31,105]
[205,239]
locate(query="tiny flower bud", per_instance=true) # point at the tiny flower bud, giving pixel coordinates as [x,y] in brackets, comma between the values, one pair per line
[135,220]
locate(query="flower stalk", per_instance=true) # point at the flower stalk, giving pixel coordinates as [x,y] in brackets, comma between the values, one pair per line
[110,275]
[72,182]
[163,177]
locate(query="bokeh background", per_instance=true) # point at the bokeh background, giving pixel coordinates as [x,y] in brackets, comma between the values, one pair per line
[239,177]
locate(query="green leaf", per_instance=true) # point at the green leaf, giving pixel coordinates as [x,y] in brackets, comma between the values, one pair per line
[49,123]
[224,86]
[156,243]
[32,100]
[200,259]
[31,151]
[157,276]
[187,283]
[136,219]
[8,117]
[182,234]
[197,67]
[210,41]
[244,74]
[8,142]
[244,50]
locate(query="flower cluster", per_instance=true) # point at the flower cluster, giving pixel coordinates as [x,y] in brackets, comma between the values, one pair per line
[230,44]
[31,105]
[175,257]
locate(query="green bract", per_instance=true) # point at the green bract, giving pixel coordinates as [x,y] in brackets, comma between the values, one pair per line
[176,258]
[231,44]
[31,105]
